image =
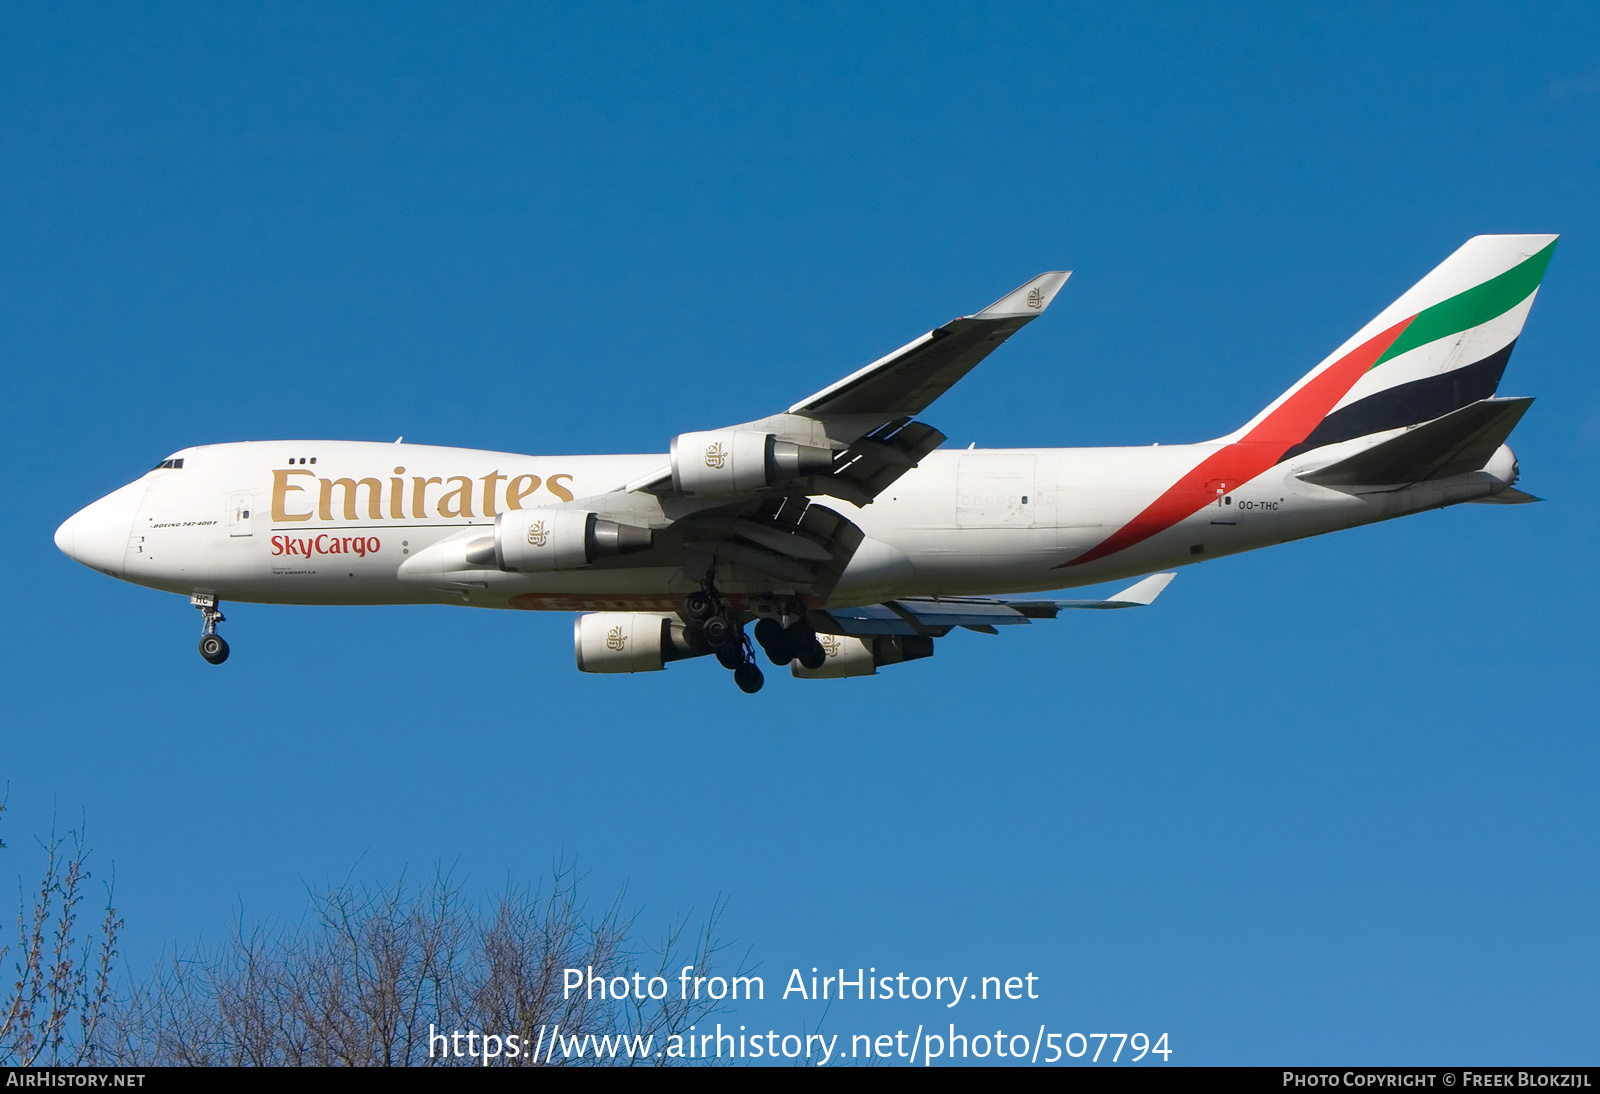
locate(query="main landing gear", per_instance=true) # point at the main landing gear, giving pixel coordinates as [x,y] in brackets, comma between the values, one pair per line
[705,611]
[212,646]
[796,642]
[785,640]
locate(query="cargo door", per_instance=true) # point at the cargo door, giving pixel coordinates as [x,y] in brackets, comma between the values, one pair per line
[995,490]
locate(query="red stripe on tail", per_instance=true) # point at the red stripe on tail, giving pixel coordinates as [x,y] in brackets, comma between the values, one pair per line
[1261,448]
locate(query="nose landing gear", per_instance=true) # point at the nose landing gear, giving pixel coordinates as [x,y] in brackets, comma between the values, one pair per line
[212,646]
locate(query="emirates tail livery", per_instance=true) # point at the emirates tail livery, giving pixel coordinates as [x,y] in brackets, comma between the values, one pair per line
[838,526]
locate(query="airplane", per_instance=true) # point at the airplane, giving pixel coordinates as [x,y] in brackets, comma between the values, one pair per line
[839,528]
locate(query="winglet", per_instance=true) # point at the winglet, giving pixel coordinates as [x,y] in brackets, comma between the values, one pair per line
[1142,593]
[1029,300]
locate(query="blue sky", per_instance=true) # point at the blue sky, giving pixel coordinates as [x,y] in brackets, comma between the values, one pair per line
[1328,802]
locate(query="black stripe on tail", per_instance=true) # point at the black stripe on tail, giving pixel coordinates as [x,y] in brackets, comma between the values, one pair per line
[1411,403]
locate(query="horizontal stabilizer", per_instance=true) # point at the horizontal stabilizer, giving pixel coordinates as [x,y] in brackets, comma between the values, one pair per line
[1455,444]
[1508,497]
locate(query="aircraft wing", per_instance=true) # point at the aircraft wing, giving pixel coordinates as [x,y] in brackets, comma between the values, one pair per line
[866,419]
[904,382]
[937,616]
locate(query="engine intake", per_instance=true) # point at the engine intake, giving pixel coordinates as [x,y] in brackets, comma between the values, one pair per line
[737,461]
[530,541]
[630,641]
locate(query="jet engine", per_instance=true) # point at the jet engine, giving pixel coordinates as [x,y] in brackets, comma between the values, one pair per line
[630,641]
[850,656]
[736,461]
[529,541]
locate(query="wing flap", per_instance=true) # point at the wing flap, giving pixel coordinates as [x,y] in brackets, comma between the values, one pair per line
[975,612]
[938,615]
[873,462]
[867,619]
[791,540]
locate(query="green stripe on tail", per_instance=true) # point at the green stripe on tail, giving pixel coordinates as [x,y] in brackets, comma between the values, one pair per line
[1478,304]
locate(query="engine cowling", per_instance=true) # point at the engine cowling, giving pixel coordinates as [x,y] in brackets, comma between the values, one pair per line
[849,656]
[530,541]
[736,461]
[630,641]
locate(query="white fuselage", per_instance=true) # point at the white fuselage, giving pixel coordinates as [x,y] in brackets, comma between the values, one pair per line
[349,522]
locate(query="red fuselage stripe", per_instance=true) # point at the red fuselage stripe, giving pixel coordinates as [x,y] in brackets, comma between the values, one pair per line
[1261,448]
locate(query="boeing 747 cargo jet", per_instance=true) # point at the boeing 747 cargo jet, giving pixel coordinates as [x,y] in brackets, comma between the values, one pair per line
[838,527]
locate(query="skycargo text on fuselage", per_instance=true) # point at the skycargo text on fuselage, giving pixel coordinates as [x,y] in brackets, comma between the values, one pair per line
[414,497]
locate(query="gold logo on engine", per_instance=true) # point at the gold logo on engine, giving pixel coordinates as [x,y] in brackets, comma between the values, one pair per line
[716,455]
[538,536]
[830,644]
[615,639]
[1035,298]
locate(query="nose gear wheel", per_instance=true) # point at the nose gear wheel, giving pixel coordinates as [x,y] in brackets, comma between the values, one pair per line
[213,647]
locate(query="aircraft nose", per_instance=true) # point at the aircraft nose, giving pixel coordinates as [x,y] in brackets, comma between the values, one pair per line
[97,534]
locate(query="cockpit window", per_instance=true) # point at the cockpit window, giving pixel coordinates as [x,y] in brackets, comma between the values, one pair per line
[174,464]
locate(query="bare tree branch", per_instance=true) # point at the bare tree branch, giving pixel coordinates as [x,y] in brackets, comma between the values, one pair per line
[52,971]
[373,972]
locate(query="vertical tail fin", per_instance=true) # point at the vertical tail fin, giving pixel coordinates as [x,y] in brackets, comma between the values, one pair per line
[1440,347]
